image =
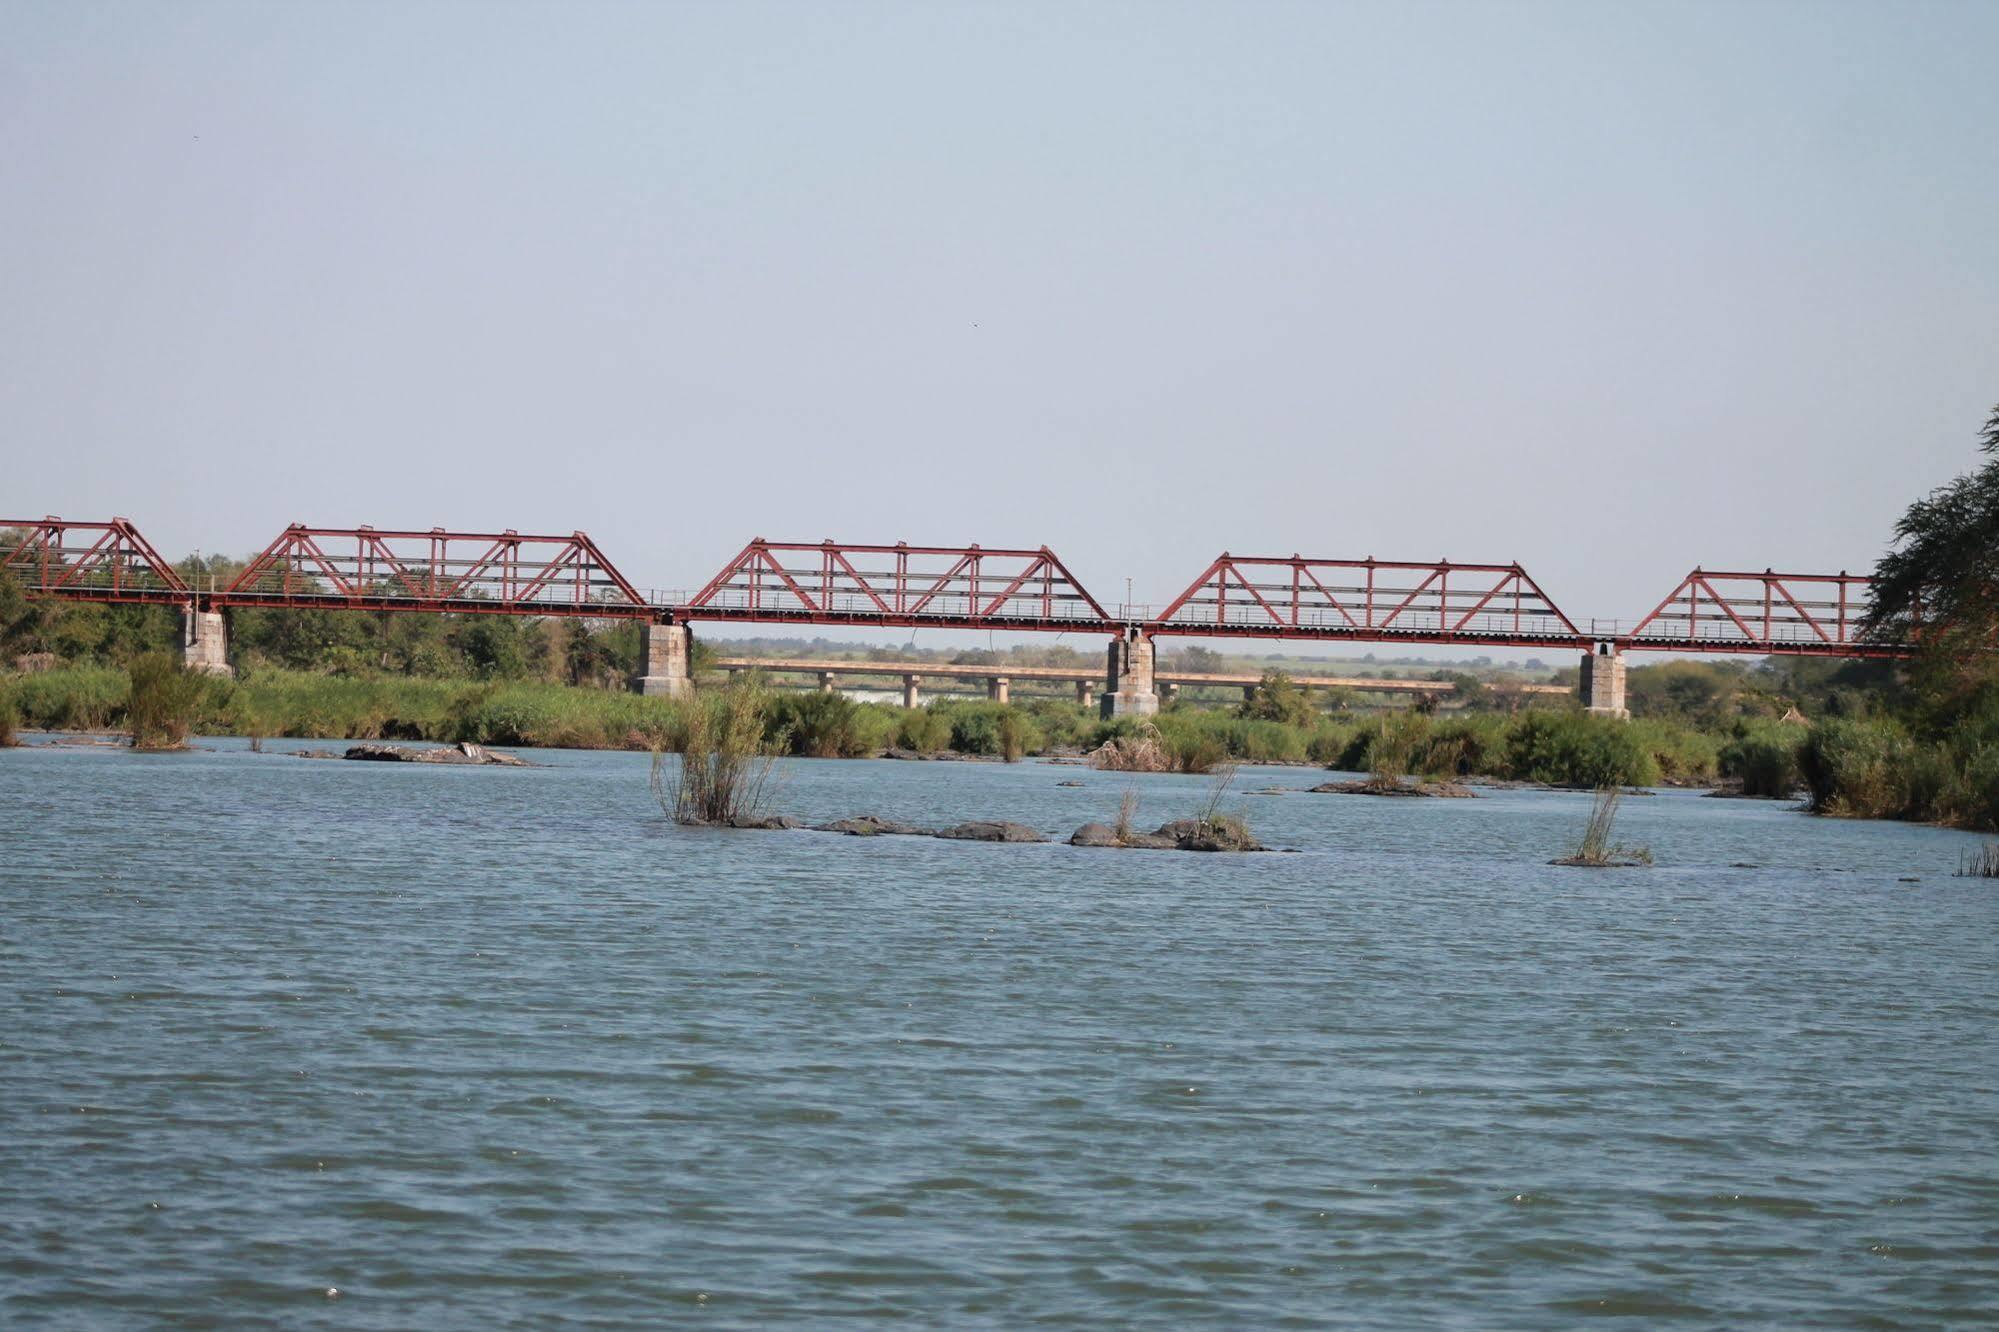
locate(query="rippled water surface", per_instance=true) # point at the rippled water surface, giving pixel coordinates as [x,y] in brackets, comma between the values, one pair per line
[481,1047]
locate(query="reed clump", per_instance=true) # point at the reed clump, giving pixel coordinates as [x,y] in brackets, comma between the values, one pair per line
[1138,750]
[725,758]
[1981,862]
[1595,849]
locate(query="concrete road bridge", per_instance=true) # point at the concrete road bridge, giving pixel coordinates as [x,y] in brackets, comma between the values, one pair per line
[999,679]
[1291,597]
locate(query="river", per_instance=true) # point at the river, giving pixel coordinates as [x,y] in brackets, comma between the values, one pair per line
[503,1048]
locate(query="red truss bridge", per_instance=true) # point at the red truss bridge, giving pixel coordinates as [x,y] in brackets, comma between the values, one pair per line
[481,573]
[96,561]
[966,587]
[969,587]
[1376,601]
[1768,612]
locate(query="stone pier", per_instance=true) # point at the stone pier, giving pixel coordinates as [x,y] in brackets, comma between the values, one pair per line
[1602,683]
[825,682]
[997,688]
[912,697]
[204,641]
[663,671]
[1168,691]
[1128,687]
[1084,696]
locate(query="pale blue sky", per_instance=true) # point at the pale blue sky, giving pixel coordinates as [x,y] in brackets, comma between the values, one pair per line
[1611,289]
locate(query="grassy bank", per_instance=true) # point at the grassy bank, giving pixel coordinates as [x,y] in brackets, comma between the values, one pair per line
[1563,748]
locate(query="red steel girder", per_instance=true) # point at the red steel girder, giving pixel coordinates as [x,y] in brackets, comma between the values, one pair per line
[89,561]
[492,573]
[1369,601]
[1768,612]
[831,582]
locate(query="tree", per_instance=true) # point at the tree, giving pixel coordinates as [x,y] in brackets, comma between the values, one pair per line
[1199,660]
[1278,699]
[1939,586]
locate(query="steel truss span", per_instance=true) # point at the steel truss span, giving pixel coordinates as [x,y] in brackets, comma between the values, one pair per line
[1369,600]
[964,587]
[970,587]
[1768,612]
[504,573]
[88,561]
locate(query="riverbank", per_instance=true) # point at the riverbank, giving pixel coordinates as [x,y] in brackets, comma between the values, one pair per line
[1845,768]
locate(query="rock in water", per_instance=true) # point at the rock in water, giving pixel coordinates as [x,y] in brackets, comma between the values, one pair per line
[765,822]
[989,831]
[871,825]
[468,754]
[1094,834]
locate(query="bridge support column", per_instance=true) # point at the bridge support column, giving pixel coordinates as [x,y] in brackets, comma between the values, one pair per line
[997,688]
[912,697]
[1083,695]
[204,642]
[1128,688]
[1167,692]
[1602,683]
[825,682]
[663,671]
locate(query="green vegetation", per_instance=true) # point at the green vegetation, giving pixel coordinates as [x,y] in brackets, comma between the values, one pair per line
[9,717]
[1594,848]
[726,754]
[161,701]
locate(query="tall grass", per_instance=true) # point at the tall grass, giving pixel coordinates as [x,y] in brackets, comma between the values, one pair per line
[9,716]
[725,758]
[1979,862]
[1594,847]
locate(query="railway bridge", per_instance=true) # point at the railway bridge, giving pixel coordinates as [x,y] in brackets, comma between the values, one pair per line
[1292,597]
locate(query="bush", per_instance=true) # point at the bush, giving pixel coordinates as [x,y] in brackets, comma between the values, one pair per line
[9,718]
[1764,759]
[924,730]
[1577,750]
[160,705]
[1860,769]
[818,725]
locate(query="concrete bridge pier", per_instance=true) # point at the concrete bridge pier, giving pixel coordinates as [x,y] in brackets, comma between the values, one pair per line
[663,652]
[825,682]
[912,697]
[997,688]
[1083,695]
[1129,690]
[1602,683]
[204,641]
[1168,691]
